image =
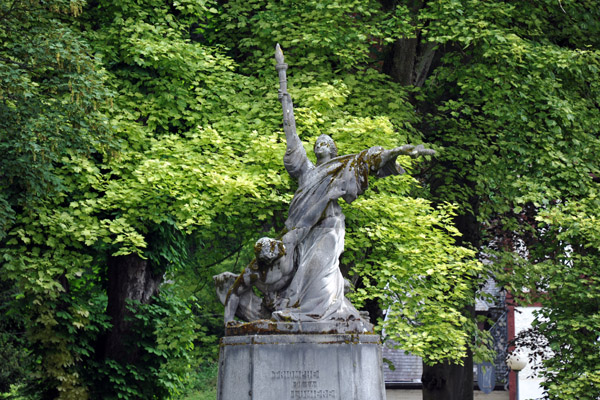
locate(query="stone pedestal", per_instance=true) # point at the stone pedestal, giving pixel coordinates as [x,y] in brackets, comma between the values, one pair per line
[301,366]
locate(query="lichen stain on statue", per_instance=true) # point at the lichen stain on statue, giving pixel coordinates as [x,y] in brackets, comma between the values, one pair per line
[298,274]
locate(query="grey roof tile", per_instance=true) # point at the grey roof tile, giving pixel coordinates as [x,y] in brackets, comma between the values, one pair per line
[408,367]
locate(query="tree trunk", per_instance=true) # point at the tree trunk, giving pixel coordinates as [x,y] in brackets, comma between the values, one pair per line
[448,381]
[129,278]
[409,61]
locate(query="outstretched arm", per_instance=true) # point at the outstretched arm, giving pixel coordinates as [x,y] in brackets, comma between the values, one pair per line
[295,160]
[410,150]
[387,163]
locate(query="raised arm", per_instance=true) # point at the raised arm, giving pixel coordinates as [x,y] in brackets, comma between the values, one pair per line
[295,160]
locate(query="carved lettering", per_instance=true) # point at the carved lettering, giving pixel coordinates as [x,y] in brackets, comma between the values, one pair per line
[305,384]
[299,375]
[312,394]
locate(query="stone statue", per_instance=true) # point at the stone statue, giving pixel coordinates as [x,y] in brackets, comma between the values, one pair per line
[299,274]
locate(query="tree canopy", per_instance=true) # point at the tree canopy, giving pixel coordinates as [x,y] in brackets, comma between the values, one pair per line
[142,147]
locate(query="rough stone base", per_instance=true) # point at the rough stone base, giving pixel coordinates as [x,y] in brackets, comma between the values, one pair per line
[290,367]
[269,327]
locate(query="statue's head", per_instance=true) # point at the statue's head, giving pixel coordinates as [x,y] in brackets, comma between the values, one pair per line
[268,250]
[325,149]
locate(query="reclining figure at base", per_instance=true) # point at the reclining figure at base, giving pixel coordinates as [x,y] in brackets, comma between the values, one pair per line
[264,273]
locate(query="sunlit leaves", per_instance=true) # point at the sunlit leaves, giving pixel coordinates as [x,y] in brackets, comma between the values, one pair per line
[421,278]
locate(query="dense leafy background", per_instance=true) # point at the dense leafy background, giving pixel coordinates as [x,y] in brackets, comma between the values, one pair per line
[151,131]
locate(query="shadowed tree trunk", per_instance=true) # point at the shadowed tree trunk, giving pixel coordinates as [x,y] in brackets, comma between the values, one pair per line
[408,60]
[129,278]
[448,381]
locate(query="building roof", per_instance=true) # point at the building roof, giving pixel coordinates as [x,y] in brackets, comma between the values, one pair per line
[407,367]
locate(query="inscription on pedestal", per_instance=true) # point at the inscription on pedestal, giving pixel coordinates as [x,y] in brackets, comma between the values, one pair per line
[313,394]
[298,367]
[305,384]
[304,375]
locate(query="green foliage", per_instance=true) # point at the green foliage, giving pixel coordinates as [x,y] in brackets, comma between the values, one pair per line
[154,129]
[15,359]
[51,101]
[197,172]
[567,283]
[519,98]
[322,36]
[422,280]
[165,332]
[203,386]
[515,105]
